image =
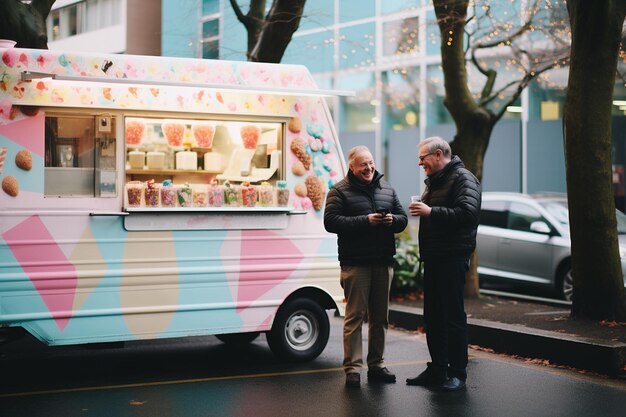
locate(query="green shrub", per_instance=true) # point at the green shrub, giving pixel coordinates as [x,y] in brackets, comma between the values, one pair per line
[408,273]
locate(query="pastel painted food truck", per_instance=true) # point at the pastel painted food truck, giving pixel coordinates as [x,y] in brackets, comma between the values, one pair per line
[152,197]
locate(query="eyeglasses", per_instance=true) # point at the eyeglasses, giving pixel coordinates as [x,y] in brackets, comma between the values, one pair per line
[422,157]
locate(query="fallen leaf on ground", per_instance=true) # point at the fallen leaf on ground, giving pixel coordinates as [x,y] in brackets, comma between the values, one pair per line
[135,402]
[612,323]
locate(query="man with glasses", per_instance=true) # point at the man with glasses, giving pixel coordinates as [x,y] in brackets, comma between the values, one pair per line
[449,213]
[365,213]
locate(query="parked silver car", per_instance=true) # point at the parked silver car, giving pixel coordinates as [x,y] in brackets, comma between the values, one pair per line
[524,240]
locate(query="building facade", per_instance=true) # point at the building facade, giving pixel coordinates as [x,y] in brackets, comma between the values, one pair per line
[111,26]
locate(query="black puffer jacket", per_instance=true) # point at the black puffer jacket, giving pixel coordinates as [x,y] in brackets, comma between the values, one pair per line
[454,194]
[347,206]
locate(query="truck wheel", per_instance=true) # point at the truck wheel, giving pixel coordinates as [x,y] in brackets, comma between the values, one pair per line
[237,338]
[300,331]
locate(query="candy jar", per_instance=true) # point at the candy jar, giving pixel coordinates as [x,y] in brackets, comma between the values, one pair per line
[174,132]
[200,195]
[151,194]
[203,133]
[250,136]
[216,194]
[134,190]
[231,195]
[134,131]
[184,195]
[168,194]
[248,194]
[282,193]
[266,194]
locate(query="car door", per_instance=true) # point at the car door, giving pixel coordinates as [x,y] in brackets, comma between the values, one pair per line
[493,219]
[525,255]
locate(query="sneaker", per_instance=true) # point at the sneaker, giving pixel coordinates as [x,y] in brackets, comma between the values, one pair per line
[380,375]
[428,378]
[353,380]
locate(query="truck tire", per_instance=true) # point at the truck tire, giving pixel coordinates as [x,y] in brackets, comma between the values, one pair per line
[300,331]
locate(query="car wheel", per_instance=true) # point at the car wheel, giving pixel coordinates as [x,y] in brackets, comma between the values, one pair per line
[565,284]
[300,331]
[237,338]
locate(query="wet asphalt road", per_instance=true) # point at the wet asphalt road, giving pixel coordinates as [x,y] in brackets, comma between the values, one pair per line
[203,377]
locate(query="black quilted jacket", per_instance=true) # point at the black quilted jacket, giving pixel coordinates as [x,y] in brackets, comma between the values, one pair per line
[454,194]
[347,206]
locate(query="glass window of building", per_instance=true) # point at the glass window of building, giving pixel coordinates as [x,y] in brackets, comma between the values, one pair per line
[318,14]
[350,10]
[358,113]
[402,97]
[210,30]
[210,7]
[394,6]
[433,37]
[357,46]
[436,111]
[315,50]
[83,16]
[400,37]
[546,95]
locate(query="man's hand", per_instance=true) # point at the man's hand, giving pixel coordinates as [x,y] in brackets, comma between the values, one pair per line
[419,209]
[377,219]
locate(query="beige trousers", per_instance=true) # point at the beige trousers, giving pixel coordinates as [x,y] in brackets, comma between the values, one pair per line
[366,289]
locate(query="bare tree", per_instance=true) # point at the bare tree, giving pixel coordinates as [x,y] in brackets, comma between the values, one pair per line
[25,23]
[536,44]
[269,35]
[596,36]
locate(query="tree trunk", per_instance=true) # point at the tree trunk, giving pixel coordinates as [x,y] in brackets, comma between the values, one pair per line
[252,21]
[596,34]
[474,124]
[282,21]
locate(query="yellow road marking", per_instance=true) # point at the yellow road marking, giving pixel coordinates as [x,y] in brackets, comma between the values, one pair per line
[191,381]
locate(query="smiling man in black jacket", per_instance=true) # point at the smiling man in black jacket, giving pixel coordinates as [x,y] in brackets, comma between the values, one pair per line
[364,211]
[449,213]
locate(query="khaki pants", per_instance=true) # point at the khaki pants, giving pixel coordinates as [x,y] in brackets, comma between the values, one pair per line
[366,289]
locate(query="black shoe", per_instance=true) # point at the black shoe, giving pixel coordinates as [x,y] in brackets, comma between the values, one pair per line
[380,375]
[428,378]
[353,380]
[453,384]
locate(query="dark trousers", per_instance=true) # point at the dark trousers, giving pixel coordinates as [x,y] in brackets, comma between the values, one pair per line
[444,316]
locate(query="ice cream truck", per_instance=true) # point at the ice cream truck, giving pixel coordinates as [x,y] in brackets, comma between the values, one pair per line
[153,197]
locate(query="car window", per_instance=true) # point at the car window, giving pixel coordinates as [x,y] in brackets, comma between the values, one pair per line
[558,210]
[521,216]
[493,213]
[621,222]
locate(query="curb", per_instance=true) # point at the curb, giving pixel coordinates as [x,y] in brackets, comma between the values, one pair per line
[608,358]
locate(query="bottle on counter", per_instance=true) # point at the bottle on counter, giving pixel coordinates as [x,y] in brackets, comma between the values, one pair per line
[200,195]
[168,194]
[265,192]
[134,192]
[151,194]
[248,194]
[184,195]
[282,194]
[231,195]
[216,194]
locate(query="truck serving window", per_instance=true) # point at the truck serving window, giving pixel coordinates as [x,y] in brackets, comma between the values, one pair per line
[80,156]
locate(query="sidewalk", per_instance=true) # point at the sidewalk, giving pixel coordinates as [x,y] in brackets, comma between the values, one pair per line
[532,330]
